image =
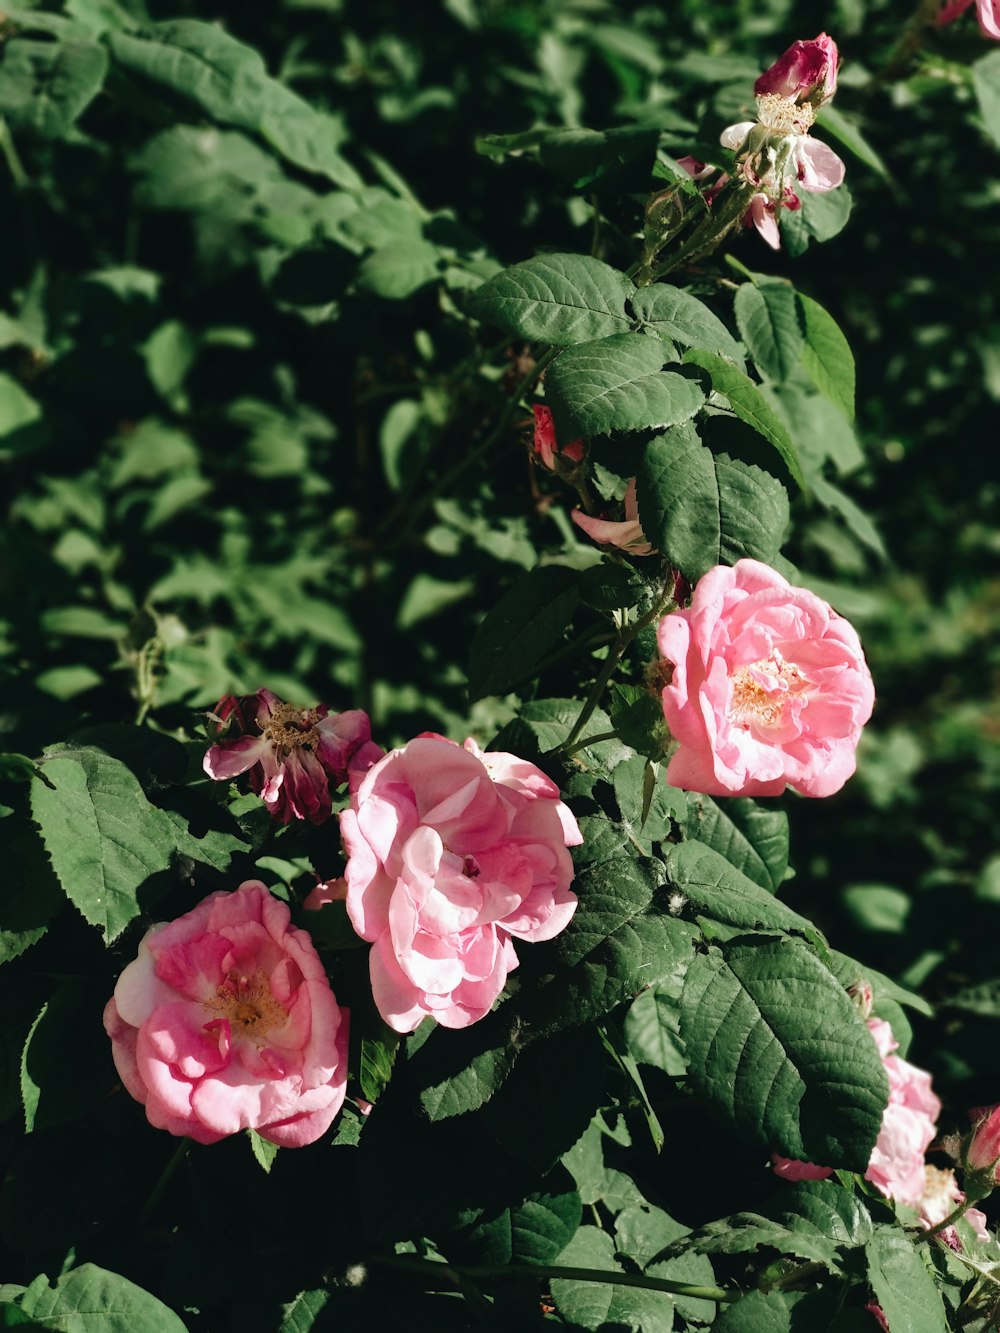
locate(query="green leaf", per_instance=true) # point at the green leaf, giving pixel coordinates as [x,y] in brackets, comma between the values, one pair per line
[378,1055]
[544,724]
[264,1151]
[395,274]
[816,1220]
[301,1314]
[848,972]
[677,316]
[776,1046]
[621,939]
[746,401]
[770,325]
[703,509]
[535,1231]
[89,1299]
[31,895]
[986,84]
[202,68]
[833,120]
[717,889]
[651,1030]
[522,629]
[827,357]
[619,158]
[64,1063]
[759,1312]
[618,384]
[103,837]
[751,836]
[596,1305]
[902,1284]
[821,217]
[556,299]
[820,430]
[45,86]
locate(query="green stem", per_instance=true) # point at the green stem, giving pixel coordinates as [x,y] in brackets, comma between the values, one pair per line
[591,740]
[947,1222]
[166,1176]
[453,1274]
[14,164]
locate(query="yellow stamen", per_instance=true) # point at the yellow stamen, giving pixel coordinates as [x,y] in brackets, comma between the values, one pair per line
[784,116]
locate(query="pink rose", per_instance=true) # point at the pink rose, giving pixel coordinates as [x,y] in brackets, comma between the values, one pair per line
[983,1152]
[327,891]
[292,754]
[940,1198]
[988,12]
[627,536]
[546,446]
[769,688]
[226,1021]
[451,853]
[896,1165]
[807,72]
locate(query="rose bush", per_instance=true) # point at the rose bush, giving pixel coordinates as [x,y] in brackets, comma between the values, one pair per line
[226,1021]
[452,853]
[770,687]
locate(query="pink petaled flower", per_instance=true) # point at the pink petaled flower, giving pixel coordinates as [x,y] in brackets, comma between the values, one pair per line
[451,853]
[628,536]
[226,1021]
[896,1165]
[545,445]
[941,1197]
[988,13]
[807,72]
[292,754]
[983,1152]
[769,688]
[763,214]
[328,891]
[774,153]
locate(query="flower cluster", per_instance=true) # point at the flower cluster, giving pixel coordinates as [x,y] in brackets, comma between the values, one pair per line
[451,854]
[769,687]
[291,754]
[774,153]
[226,1021]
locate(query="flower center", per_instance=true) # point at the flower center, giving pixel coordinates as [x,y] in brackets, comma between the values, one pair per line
[247,1003]
[760,690]
[290,727]
[783,116]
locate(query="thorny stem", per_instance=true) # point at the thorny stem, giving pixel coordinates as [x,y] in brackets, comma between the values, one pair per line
[453,1275]
[950,1220]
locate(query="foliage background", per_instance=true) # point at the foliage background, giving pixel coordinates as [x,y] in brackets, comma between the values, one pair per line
[227,401]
